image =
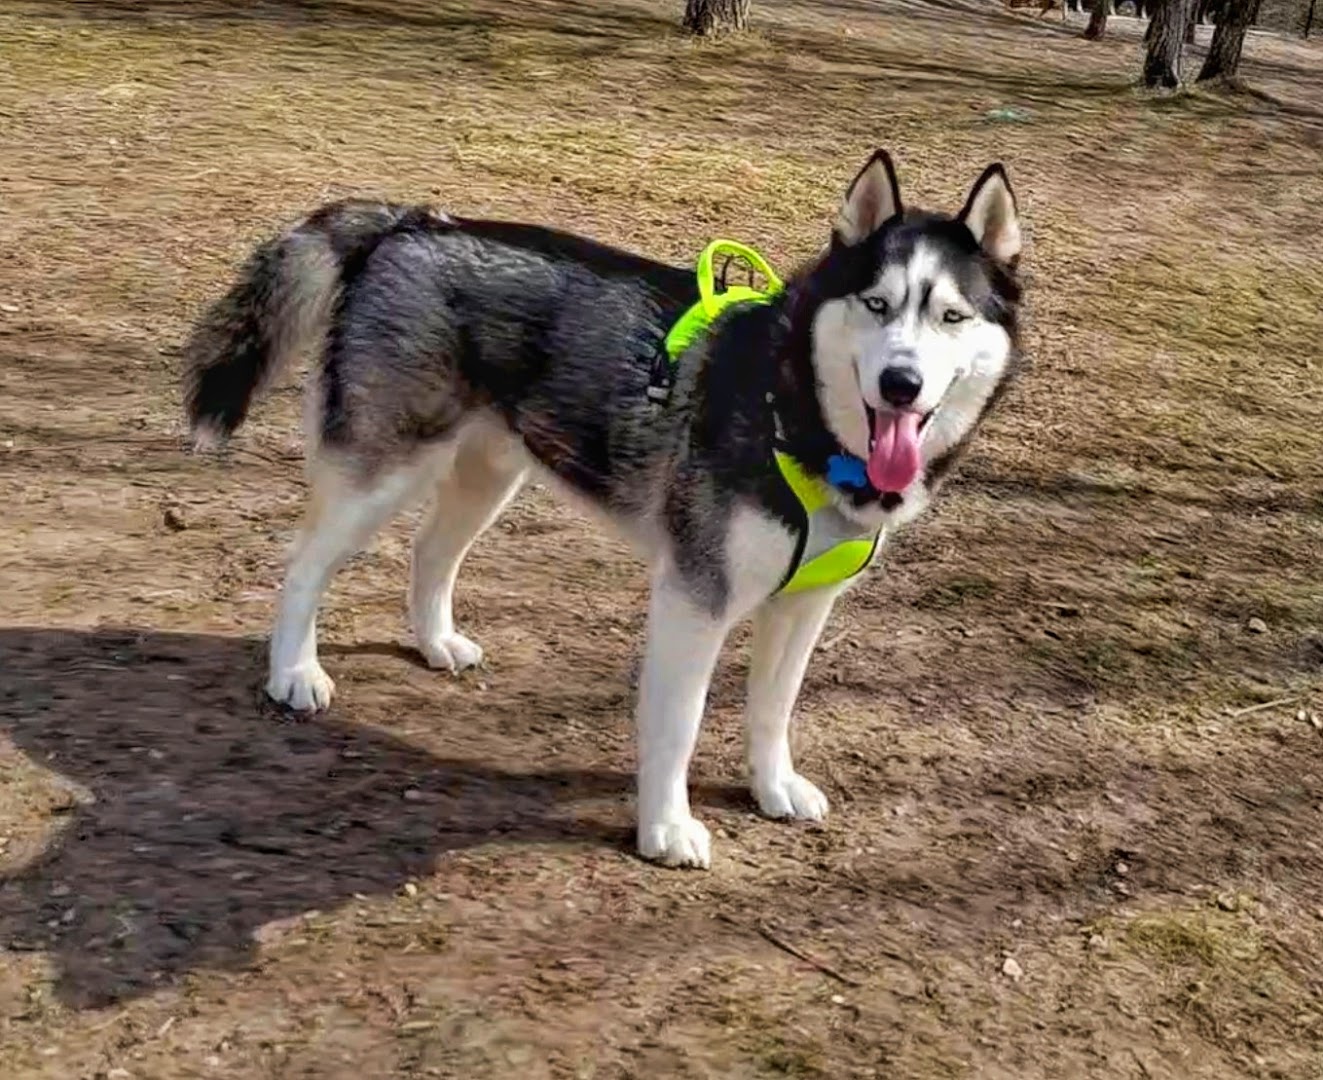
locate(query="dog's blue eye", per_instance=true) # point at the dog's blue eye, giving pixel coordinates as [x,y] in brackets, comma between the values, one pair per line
[953,316]
[876,304]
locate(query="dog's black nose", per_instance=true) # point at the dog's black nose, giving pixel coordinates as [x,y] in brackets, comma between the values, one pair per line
[899,385]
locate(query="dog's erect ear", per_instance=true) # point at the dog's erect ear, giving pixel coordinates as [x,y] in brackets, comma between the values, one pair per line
[873,197]
[990,214]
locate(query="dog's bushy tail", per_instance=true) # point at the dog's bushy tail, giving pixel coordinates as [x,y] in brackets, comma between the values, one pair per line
[279,308]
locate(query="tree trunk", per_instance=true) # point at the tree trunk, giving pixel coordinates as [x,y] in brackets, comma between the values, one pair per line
[1191,21]
[1309,20]
[1097,20]
[1223,60]
[707,18]
[1162,60]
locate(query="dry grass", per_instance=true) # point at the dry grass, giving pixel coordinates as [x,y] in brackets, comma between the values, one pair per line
[1048,682]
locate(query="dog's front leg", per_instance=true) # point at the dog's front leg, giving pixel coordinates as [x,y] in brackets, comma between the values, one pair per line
[785,630]
[682,647]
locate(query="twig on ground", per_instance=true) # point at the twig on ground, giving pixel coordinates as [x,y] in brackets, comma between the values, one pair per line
[1263,467]
[1263,705]
[797,953]
[111,1022]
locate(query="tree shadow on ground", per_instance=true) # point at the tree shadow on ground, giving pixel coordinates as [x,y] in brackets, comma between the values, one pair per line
[193,815]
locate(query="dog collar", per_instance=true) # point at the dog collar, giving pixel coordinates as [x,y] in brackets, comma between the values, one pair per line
[847,473]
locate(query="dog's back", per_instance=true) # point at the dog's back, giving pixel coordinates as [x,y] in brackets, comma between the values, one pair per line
[415,318]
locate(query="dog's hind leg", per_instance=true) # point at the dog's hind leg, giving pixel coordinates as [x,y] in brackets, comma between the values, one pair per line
[343,514]
[488,472]
[784,633]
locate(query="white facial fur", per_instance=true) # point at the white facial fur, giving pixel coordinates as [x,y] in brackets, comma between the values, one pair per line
[960,363]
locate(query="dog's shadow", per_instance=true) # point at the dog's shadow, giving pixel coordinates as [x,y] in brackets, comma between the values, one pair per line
[186,815]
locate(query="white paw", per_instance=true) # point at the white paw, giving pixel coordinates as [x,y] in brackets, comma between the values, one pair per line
[306,688]
[451,652]
[677,843]
[791,797]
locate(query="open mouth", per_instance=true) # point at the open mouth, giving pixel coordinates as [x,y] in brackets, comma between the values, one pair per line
[894,457]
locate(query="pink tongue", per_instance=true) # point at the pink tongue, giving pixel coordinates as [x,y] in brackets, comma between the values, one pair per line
[893,462]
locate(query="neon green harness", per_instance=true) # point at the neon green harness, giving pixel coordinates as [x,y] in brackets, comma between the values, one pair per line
[832,548]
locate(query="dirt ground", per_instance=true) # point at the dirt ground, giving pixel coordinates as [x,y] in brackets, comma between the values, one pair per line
[1069,724]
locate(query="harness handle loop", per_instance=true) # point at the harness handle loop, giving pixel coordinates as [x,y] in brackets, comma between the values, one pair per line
[707,280]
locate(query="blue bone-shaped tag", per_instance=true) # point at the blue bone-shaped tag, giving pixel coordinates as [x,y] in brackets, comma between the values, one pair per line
[846,471]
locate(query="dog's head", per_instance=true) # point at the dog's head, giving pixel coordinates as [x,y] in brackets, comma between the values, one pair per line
[911,320]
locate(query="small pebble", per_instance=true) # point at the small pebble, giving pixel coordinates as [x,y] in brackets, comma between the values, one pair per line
[173,518]
[412,795]
[1256,626]
[1012,970]
[410,889]
[837,999]
[1097,942]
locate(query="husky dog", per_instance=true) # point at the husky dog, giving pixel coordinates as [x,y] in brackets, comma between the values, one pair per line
[454,357]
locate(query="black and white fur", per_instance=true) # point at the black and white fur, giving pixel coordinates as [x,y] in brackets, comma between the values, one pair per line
[454,357]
